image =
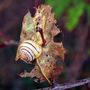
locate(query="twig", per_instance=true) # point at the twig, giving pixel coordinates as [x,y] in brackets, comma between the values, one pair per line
[6,41]
[11,42]
[71,84]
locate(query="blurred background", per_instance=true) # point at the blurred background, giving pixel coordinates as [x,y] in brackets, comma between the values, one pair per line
[73,18]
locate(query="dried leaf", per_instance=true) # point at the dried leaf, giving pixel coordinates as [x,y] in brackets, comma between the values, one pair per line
[41,29]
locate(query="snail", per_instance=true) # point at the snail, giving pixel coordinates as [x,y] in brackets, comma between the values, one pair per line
[29,51]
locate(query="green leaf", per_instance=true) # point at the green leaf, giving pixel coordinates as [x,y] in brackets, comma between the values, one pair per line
[59,6]
[75,2]
[88,12]
[50,2]
[73,15]
[88,51]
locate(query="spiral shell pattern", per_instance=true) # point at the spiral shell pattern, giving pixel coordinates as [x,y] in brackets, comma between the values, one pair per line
[29,51]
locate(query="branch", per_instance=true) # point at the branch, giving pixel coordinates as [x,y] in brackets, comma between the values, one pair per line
[6,41]
[71,84]
[11,42]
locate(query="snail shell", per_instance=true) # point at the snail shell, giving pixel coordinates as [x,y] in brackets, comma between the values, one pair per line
[29,51]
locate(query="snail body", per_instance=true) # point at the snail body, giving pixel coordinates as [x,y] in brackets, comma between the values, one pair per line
[29,51]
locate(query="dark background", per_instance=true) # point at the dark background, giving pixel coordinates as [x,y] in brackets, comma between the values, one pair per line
[76,43]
